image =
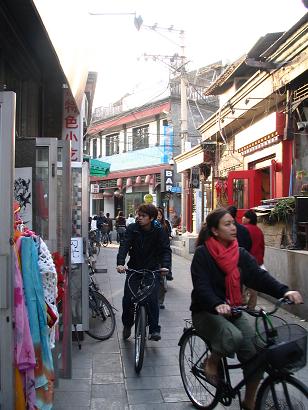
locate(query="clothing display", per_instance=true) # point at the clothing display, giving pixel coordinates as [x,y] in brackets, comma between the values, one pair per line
[35,294]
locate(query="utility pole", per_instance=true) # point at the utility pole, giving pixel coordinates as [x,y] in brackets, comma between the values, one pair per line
[184,129]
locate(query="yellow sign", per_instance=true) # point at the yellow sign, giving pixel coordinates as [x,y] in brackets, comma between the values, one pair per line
[148,198]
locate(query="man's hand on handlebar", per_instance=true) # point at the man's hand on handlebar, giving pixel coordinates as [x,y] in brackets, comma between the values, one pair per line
[223,309]
[121,269]
[294,297]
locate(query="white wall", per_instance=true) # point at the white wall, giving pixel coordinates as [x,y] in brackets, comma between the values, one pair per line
[109,206]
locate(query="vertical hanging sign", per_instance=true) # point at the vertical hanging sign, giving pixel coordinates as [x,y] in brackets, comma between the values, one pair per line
[72,126]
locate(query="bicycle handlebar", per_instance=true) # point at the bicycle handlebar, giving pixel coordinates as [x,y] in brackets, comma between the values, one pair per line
[259,313]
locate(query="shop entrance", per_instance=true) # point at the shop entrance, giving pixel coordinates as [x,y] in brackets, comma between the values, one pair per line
[245,189]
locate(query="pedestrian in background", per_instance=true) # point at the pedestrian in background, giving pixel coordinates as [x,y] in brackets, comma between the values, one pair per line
[100,221]
[163,281]
[109,226]
[130,220]
[242,233]
[257,249]
[120,225]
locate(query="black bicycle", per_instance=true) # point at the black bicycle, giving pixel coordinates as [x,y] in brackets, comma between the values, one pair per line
[101,312]
[94,245]
[141,284]
[281,351]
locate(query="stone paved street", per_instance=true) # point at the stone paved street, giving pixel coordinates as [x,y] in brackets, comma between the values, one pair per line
[103,372]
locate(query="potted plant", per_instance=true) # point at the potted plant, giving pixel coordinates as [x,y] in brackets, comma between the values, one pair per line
[283,213]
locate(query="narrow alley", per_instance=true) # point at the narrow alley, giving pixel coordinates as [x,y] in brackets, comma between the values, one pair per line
[103,372]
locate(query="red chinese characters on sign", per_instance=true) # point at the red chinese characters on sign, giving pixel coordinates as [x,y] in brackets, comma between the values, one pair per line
[71,130]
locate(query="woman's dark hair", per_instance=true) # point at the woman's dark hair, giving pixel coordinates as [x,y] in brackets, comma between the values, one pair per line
[252,216]
[148,209]
[212,221]
[163,220]
[120,213]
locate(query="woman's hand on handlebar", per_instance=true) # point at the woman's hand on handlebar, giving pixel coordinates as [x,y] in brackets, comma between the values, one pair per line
[294,296]
[223,309]
[121,269]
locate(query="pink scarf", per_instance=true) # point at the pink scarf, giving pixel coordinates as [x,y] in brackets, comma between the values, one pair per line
[227,260]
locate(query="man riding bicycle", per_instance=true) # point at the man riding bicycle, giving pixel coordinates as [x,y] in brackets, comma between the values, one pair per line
[148,247]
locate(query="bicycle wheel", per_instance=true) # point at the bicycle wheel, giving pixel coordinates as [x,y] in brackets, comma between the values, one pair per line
[194,350]
[140,336]
[101,317]
[98,248]
[282,394]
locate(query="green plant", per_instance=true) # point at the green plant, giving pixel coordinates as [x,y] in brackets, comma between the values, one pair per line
[282,210]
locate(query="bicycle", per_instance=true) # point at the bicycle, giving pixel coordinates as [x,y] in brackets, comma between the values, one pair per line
[104,235]
[101,312]
[281,351]
[94,243]
[141,284]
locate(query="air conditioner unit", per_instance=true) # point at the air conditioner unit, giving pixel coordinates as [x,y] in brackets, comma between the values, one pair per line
[94,188]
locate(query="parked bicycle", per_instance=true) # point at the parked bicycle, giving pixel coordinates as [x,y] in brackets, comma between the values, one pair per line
[101,312]
[281,351]
[94,243]
[141,284]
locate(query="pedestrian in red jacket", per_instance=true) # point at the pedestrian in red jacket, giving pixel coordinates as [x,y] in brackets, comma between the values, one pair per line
[257,249]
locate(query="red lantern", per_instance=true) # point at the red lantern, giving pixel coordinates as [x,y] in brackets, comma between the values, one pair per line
[138,180]
[129,182]
[147,179]
[119,182]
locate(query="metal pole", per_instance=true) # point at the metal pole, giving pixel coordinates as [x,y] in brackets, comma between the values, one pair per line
[184,129]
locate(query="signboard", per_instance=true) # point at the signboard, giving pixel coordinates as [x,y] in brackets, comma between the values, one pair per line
[167,182]
[148,198]
[72,126]
[76,250]
[23,193]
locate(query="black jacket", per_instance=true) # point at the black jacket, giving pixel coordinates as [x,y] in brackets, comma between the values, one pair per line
[209,280]
[243,237]
[146,249]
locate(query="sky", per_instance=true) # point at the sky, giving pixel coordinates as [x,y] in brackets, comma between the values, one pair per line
[214,30]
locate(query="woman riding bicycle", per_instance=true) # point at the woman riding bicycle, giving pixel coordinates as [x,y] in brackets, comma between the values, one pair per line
[219,268]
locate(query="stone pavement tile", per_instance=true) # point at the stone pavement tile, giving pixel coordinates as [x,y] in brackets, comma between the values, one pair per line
[73,399]
[174,395]
[81,373]
[109,390]
[159,370]
[133,383]
[74,385]
[163,406]
[144,396]
[107,378]
[108,404]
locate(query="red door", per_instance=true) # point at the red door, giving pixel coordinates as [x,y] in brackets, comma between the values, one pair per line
[244,190]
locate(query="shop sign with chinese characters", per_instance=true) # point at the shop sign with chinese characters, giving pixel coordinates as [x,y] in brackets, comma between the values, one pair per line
[72,128]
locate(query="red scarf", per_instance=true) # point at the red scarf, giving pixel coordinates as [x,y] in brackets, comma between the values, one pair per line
[227,260]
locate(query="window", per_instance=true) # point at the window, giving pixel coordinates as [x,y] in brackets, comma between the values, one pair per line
[139,139]
[112,144]
[94,149]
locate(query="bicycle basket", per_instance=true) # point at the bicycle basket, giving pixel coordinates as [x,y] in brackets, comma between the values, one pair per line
[289,349]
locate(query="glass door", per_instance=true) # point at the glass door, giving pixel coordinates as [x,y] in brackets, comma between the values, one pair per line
[244,190]
[7,159]
[46,191]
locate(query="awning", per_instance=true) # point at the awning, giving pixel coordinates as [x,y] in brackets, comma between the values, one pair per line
[99,168]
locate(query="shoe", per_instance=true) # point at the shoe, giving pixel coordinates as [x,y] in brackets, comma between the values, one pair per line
[169,276]
[155,336]
[126,332]
[161,306]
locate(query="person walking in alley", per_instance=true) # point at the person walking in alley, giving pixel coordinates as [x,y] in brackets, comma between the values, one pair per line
[218,268]
[148,247]
[243,236]
[120,224]
[163,283]
[109,226]
[100,221]
[257,250]
[130,220]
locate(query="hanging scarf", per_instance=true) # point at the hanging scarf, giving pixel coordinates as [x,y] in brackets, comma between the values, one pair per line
[227,261]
